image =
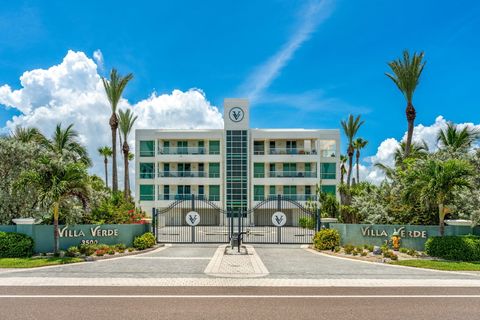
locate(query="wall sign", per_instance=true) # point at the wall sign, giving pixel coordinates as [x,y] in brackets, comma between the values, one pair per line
[94,232]
[375,232]
[192,218]
[279,219]
[236,114]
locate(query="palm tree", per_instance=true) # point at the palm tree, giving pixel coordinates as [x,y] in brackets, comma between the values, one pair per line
[418,150]
[105,152]
[436,180]
[65,143]
[27,134]
[350,128]
[406,75]
[114,88]
[343,170]
[358,145]
[57,181]
[456,139]
[127,119]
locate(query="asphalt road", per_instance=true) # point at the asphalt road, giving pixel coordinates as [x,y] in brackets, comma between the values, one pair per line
[239,302]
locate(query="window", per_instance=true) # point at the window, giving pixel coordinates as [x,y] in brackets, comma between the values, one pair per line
[147,192]
[291,147]
[272,190]
[289,169]
[328,170]
[290,192]
[214,147]
[271,169]
[166,169]
[214,170]
[214,193]
[259,170]
[258,147]
[201,190]
[182,147]
[329,189]
[166,192]
[201,147]
[308,167]
[183,192]
[258,193]
[201,169]
[166,147]
[147,148]
[308,190]
[147,170]
[327,148]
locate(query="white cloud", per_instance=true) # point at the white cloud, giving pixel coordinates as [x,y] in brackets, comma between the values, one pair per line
[72,92]
[310,17]
[98,57]
[386,149]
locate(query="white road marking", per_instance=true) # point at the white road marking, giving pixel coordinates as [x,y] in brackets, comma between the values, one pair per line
[170,258]
[226,296]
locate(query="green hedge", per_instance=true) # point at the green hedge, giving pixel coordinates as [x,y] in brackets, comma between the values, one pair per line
[460,248]
[15,245]
[326,239]
[145,241]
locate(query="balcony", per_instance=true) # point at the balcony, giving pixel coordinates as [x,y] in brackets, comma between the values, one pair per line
[328,153]
[327,176]
[171,197]
[183,150]
[292,174]
[188,174]
[293,197]
[290,151]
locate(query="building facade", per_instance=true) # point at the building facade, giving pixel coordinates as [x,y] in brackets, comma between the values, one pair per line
[236,167]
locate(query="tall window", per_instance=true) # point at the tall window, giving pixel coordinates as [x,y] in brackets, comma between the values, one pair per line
[328,189]
[182,147]
[290,192]
[214,193]
[147,170]
[166,192]
[258,193]
[291,147]
[328,170]
[272,190]
[214,147]
[214,170]
[236,171]
[147,192]
[259,170]
[258,147]
[147,148]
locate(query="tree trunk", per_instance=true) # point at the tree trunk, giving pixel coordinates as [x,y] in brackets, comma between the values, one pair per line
[358,167]
[56,245]
[441,217]
[126,187]
[114,126]
[411,114]
[350,164]
[105,161]
[341,175]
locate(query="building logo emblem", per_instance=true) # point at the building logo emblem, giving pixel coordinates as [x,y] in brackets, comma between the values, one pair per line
[236,114]
[279,219]
[192,218]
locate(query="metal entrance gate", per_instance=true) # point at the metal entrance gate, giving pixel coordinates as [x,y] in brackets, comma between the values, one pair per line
[218,226]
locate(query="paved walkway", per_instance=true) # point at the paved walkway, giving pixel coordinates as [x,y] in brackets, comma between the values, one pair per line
[275,265]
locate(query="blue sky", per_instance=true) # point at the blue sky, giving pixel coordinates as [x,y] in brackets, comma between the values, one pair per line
[305,63]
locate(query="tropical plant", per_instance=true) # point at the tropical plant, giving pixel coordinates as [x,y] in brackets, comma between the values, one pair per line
[455,139]
[27,134]
[113,89]
[406,75]
[127,119]
[436,181]
[350,128]
[105,152]
[358,145]
[418,150]
[65,143]
[343,170]
[57,181]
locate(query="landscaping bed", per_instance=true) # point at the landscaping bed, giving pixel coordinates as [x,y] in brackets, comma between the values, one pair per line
[34,262]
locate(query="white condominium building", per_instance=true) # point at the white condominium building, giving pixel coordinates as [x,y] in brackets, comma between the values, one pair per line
[236,167]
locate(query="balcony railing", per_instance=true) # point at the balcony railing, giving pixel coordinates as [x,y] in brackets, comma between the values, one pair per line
[327,175]
[183,150]
[292,174]
[291,151]
[328,153]
[293,197]
[188,197]
[147,175]
[182,174]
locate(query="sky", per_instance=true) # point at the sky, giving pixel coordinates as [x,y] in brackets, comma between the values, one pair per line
[302,64]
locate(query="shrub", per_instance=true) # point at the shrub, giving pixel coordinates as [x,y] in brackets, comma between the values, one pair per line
[363,253]
[348,248]
[412,252]
[461,248]
[307,222]
[100,252]
[370,248]
[390,255]
[15,245]
[336,249]
[326,239]
[87,249]
[130,249]
[403,250]
[145,241]
[111,252]
[72,251]
[120,247]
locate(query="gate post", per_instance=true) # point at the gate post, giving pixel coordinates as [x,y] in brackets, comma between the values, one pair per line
[193,209]
[279,229]
[154,222]
[318,222]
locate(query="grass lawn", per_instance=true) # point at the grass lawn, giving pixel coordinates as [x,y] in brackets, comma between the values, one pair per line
[440,265]
[35,262]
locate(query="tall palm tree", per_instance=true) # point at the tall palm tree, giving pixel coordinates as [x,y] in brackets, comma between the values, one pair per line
[436,180]
[127,119]
[105,152]
[456,139]
[114,88]
[65,143]
[350,128]
[343,170]
[358,145]
[57,181]
[27,134]
[406,75]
